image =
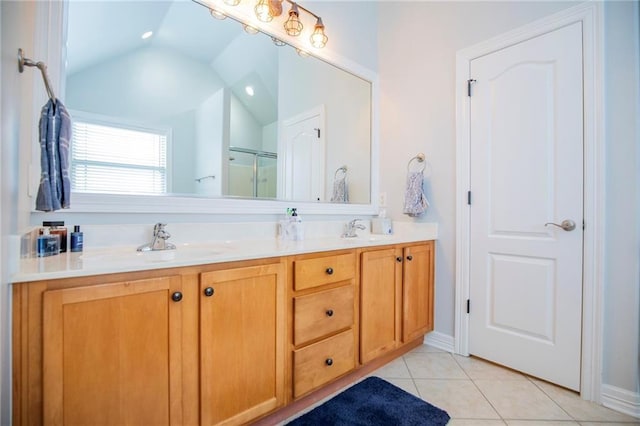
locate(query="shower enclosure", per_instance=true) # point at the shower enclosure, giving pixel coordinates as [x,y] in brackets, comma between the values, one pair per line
[252,173]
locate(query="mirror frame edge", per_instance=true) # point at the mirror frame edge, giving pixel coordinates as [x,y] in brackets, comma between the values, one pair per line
[50,34]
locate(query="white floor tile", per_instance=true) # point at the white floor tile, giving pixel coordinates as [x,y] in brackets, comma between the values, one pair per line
[477,368]
[516,399]
[433,365]
[405,384]
[475,422]
[460,398]
[541,423]
[395,369]
[578,408]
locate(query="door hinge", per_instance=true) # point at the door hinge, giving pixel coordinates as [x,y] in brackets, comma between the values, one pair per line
[468,305]
[469,197]
[469,83]
[583,225]
[317,131]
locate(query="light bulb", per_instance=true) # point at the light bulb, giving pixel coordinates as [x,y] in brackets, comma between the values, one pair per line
[318,37]
[293,26]
[232,2]
[262,11]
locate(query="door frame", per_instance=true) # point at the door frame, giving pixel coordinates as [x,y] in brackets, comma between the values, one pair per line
[590,14]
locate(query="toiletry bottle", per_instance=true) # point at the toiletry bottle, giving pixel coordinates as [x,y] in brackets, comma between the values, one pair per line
[77,239]
[57,228]
[296,225]
[47,244]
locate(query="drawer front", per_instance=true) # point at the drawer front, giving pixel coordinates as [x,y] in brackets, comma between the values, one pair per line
[318,314]
[321,362]
[323,270]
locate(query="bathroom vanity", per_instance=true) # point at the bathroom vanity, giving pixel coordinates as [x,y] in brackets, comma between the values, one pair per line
[219,341]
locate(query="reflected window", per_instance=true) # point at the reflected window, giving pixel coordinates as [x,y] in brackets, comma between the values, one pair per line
[112,158]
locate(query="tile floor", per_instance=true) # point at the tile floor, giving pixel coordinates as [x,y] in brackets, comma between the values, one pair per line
[476,392]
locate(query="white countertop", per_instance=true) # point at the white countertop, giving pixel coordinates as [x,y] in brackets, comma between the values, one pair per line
[126,259]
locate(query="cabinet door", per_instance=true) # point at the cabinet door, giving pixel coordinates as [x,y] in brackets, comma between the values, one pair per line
[111,354]
[380,302]
[242,326]
[418,291]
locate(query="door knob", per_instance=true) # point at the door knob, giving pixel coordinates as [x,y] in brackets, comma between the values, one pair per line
[567,225]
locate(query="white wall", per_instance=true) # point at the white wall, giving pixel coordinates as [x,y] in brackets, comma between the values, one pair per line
[417,45]
[17,22]
[622,240]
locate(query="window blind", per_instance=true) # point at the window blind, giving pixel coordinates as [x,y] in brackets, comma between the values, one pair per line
[114,159]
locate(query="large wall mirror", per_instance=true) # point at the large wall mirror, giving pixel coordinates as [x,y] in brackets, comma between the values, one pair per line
[201,109]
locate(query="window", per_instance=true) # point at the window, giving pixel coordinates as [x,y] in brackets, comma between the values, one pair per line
[112,158]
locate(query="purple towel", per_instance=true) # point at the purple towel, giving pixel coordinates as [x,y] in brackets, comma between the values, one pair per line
[54,192]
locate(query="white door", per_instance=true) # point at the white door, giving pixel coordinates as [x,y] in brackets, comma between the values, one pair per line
[527,170]
[304,156]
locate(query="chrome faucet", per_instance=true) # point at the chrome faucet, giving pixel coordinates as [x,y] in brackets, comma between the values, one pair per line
[351,228]
[159,242]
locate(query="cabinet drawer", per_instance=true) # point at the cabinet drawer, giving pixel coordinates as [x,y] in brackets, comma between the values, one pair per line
[321,362]
[323,270]
[319,314]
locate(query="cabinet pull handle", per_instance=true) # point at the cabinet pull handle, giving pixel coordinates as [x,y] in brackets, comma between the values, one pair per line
[329,362]
[208,291]
[176,296]
[329,270]
[409,258]
[398,259]
[330,312]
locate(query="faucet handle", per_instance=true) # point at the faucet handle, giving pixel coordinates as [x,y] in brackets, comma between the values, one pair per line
[158,227]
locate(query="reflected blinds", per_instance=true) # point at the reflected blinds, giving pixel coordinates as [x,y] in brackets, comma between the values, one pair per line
[107,159]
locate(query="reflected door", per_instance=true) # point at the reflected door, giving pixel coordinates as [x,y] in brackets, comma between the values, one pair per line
[526,171]
[304,156]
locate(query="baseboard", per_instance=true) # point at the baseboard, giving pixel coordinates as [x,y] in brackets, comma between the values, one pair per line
[440,341]
[621,400]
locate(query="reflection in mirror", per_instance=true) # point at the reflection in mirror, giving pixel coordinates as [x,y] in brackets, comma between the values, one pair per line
[168,100]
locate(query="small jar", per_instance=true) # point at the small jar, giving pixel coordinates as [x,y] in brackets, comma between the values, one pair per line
[47,244]
[57,228]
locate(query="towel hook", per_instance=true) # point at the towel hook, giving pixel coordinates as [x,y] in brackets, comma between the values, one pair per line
[26,62]
[342,169]
[420,159]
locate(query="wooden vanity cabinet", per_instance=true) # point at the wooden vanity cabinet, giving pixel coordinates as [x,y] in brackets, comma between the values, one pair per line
[324,303]
[396,297]
[242,332]
[100,354]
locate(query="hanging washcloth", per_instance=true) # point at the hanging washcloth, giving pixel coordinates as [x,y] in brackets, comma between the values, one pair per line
[340,189]
[54,191]
[415,202]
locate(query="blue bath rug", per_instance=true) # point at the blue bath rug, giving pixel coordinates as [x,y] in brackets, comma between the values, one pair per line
[374,402]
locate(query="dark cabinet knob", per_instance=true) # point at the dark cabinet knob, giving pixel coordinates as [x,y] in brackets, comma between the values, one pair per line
[329,271]
[398,259]
[208,291]
[329,362]
[330,312]
[176,296]
[409,258]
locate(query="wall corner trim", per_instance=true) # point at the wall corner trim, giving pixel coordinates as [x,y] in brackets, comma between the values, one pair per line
[440,341]
[621,400]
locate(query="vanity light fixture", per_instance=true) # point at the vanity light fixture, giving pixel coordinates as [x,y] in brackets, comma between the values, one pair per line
[249,29]
[218,15]
[302,53]
[293,26]
[277,41]
[267,10]
[262,11]
[319,38]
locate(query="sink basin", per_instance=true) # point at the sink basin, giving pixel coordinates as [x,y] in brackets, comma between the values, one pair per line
[181,252]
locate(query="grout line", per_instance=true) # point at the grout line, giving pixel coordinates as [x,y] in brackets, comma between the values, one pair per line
[551,398]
